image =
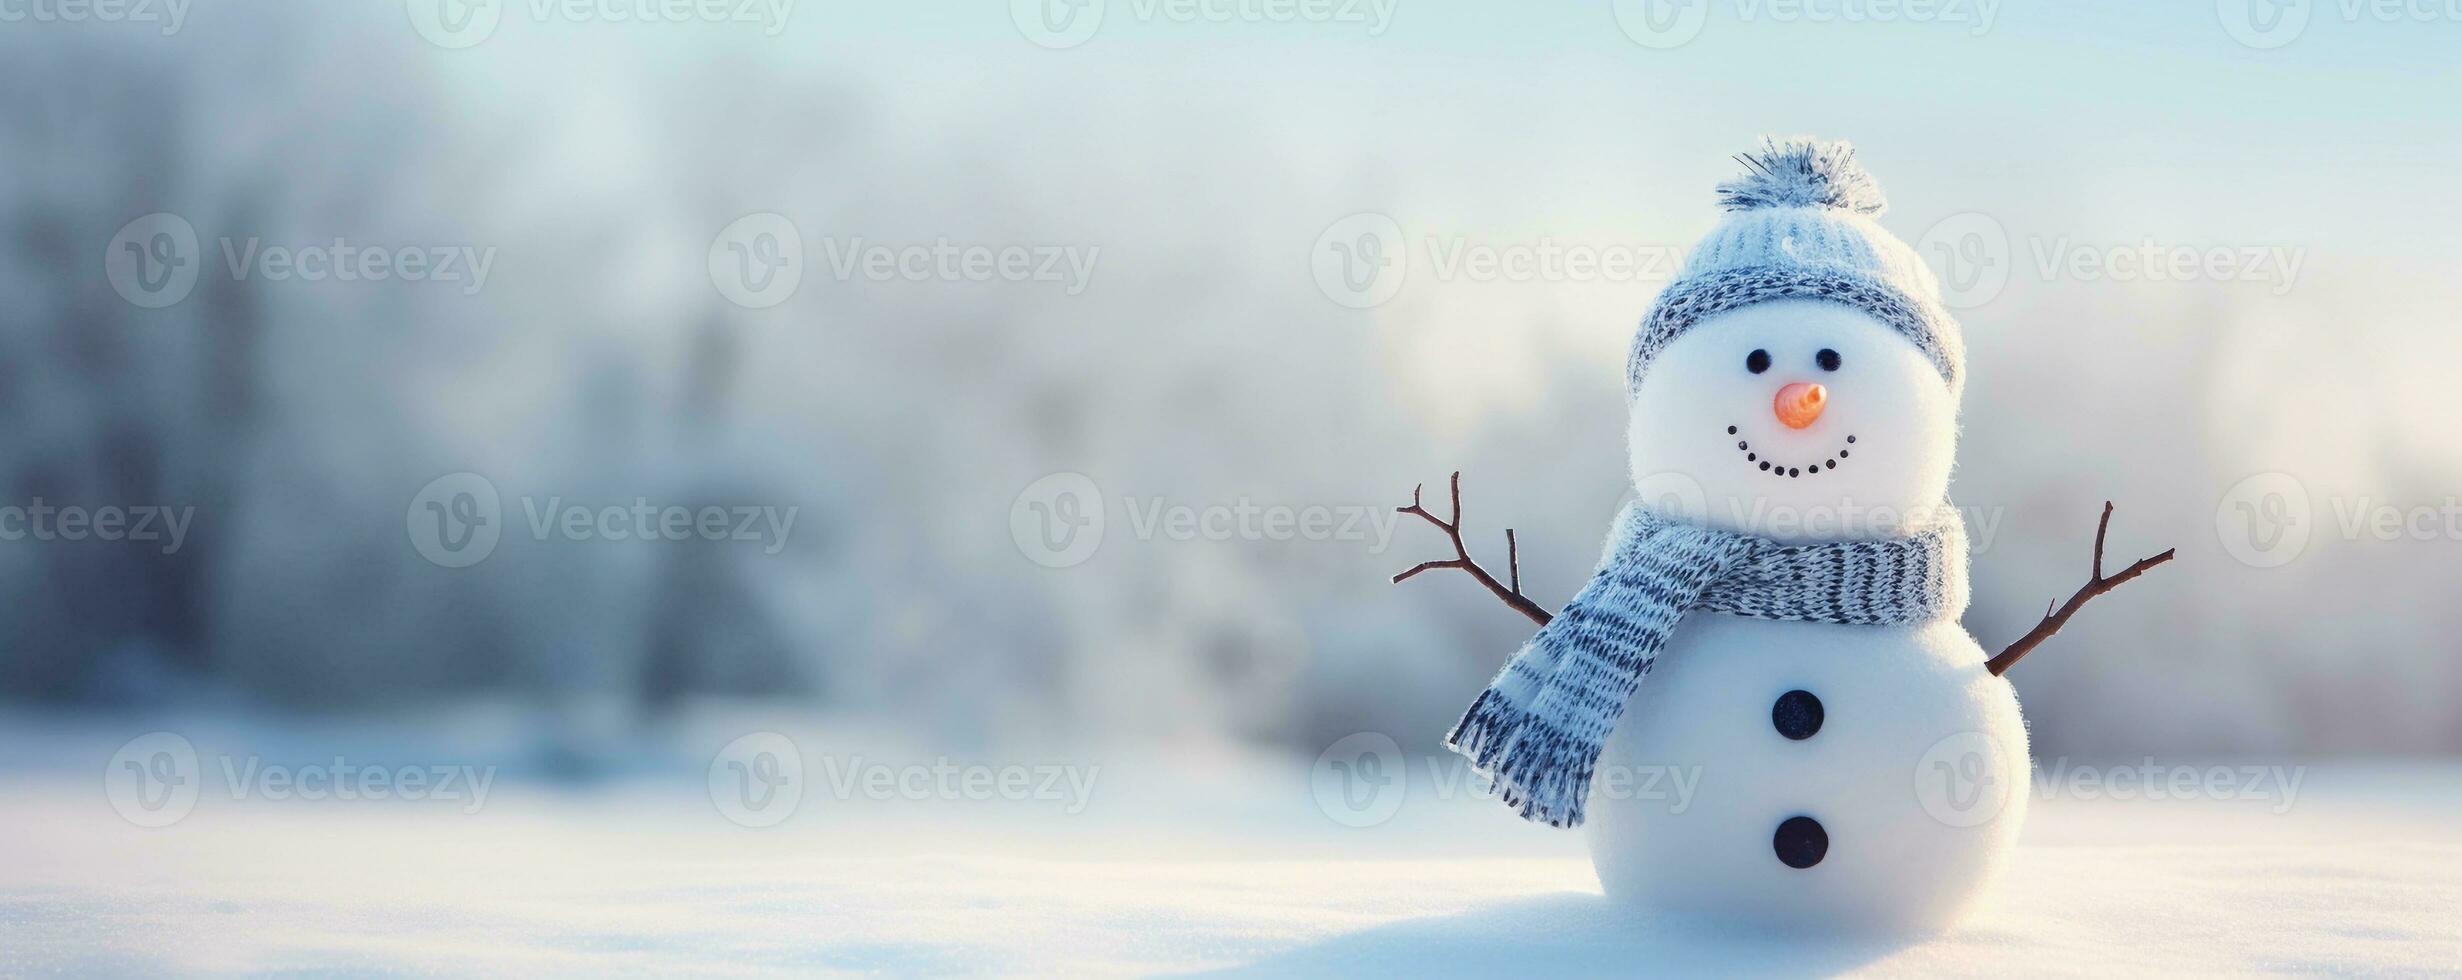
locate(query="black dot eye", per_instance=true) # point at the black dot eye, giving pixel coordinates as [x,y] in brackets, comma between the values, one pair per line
[1757,361]
[1827,358]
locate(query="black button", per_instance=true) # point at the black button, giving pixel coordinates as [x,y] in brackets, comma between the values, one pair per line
[1800,842]
[1797,714]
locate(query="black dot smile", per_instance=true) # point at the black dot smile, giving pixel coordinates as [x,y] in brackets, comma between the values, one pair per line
[1750,456]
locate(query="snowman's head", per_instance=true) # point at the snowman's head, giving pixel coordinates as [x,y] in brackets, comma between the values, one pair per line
[1798,419]
[1800,379]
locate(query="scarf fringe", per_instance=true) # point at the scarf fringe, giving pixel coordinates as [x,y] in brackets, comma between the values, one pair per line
[1544,774]
[1536,733]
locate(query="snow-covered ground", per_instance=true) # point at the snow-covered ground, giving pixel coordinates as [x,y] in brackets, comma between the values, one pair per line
[1170,862]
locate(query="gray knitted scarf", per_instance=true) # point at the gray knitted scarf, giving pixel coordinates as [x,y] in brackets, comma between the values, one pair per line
[1535,733]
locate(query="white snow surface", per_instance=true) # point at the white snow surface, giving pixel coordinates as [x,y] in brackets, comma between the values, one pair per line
[1185,861]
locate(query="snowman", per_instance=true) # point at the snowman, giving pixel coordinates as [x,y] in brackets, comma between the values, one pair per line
[1773,627]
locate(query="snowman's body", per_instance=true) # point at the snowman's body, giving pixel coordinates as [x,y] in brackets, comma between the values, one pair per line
[1797,385]
[1917,773]
[1913,766]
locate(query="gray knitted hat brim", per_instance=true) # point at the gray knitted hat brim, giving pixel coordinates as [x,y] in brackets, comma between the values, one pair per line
[1687,303]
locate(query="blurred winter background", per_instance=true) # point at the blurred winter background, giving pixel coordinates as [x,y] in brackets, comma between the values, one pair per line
[1175,182]
[1192,168]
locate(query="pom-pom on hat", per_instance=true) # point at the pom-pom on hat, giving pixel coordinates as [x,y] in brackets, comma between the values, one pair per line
[1799,226]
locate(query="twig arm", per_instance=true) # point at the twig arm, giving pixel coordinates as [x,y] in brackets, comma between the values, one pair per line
[1512,595]
[2097,584]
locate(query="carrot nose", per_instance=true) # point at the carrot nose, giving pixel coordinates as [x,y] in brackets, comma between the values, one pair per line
[1800,403]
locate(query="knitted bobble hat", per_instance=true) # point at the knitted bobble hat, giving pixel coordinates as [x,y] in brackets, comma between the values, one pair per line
[1799,226]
